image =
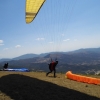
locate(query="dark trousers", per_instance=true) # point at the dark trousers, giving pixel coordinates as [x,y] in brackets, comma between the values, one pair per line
[51,72]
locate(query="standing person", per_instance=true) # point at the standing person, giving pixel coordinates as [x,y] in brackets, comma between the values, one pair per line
[52,66]
[5,66]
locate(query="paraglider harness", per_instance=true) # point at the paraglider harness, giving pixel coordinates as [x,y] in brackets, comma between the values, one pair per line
[52,66]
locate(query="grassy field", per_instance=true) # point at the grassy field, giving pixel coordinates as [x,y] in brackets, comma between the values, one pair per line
[36,86]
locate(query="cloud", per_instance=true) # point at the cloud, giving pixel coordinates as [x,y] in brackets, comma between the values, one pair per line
[17,46]
[6,48]
[40,39]
[50,42]
[75,40]
[1,42]
[62,34]
[66,40]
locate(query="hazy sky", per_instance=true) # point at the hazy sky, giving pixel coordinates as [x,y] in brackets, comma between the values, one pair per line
[60,25]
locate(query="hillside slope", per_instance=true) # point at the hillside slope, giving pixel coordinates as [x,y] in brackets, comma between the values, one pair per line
[36,86]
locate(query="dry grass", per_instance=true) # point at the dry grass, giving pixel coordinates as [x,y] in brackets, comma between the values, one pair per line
[36,86]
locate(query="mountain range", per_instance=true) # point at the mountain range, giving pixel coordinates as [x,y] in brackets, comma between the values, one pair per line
[78,61]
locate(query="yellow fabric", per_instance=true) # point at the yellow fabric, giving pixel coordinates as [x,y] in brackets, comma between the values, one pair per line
[32,8]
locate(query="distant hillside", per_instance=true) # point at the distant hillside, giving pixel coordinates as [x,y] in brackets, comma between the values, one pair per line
[80,60]
[25,56]
[95,50]
[5,59]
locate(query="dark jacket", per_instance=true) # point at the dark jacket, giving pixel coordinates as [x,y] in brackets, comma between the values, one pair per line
[52,65]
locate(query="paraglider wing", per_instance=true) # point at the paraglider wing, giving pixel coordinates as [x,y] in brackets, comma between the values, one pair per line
[32,8]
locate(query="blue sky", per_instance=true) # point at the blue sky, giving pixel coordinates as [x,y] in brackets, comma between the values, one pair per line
[60,25]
